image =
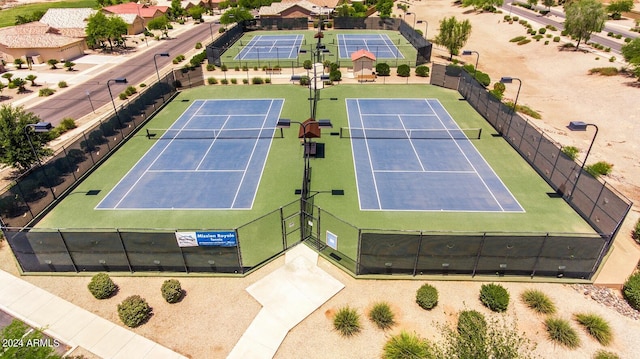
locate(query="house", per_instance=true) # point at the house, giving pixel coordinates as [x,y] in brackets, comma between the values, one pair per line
[146,12]
[74,21]
[296,9]
[38,42]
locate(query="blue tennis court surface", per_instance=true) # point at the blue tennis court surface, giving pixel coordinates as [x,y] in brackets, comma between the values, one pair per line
[378,44]
[212,157]
[409,154]
[271,47]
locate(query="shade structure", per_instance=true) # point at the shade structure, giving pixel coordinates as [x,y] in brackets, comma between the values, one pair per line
[309,129]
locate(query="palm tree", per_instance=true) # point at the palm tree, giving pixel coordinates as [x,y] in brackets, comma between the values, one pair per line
[8,76]
[31,78]
[19,83]
[18,62]
[52,63]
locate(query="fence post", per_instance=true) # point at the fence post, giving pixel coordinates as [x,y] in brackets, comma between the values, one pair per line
[415,263]
[66,248]
[239,251]
[358,250]
[535,264]
[124,249]
[475,265]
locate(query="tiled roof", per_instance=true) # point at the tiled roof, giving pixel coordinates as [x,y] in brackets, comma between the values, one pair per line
[37,41]
[278,7]
[32,28]
[128,18]
[133,8]
[362,53]
[64,18]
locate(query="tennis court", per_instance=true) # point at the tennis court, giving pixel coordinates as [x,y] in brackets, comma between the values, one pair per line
[410,155]
[271,47]
[378,44]
[212,157]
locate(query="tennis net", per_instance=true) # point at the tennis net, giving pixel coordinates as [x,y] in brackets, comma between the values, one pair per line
[214,134]
[411,134]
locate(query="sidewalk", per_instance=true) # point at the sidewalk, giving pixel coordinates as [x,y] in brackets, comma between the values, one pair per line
[73,325]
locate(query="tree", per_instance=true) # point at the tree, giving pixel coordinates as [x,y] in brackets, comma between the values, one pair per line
[235,14]
[18,62]
[31,78]
[196,12]
[384,8]
[52,63]
[177,11]
[548,3]
[101,29]
[631,54]
[159,23]
[14,147]
[617,7]
[69,65]
[8,76]
[20,332]
[482,4]
[453,34]
[19,83]
[583,17]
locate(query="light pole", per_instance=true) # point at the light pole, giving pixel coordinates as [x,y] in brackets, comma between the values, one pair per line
[582,126]
[90,102]
[469,52]
[39,128]
[508,80]
[426,27]
[119,80]
[211,30]
[414,17]
[162,54]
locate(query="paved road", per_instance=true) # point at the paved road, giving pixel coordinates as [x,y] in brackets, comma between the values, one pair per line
[75,103]
[556,18]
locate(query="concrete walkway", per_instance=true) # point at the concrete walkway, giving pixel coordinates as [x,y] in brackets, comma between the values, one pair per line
[288,295]
[73,325]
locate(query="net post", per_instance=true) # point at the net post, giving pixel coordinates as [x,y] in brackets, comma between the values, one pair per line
[148,134]
[480,133]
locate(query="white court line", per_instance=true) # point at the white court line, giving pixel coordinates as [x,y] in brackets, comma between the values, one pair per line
[415,152]
[373,175]
[404,171]
[212,143]
[190,171]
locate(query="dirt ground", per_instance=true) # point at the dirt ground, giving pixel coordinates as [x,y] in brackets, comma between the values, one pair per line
[215,311]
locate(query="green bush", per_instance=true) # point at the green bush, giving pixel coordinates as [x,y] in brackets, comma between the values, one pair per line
[133,311]
[404,70]
[494,297]
[123,96]
[304,80]
[596,326]
[46,92]
[234,81]
[518,39]
[603,354]
[538,37]
[422,71]
[560,331]
[546,42]
[101,286]
[635,234]
[347,321]
[198,45]
[335,75]
[471,323]
[542,30]
[245,81]
[62,84]
[245,68]
[604,71]
[382,315]
[612,59]
[551,27]
[556,39]
[236,68]
[211,67]
[171,290]
[224,81]
[307,64]
[570,151]
[407,346]
[223,68]
[257,80]
[67,124]
[538,301]
[631,290]
[383,69]
[427,296]
[600,168]
[524,42]
[143,85]
[130,90]
[267,80]
[212,81]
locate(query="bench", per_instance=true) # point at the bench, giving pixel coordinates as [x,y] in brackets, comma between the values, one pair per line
[310,149]
[366,78]
[275,70]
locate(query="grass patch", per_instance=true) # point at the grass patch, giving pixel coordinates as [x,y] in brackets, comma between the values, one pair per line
[596,326]
[525,110]
[538,301]
[598,169]
[347,321]
[604,71]
[518,39]
[603,354]
[561,332]
[8,16]
[405,346]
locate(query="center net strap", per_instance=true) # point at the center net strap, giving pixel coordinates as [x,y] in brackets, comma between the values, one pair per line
[194,134]
[411,134]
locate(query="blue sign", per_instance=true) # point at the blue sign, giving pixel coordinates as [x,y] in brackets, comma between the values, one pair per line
[218,238]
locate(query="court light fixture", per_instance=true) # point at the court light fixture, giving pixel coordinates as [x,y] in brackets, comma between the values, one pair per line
[582,126]
[469,52]
[118,80]
[508,80]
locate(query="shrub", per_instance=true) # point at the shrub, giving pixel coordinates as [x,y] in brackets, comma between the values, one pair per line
[383,69]
[347,321]
[471,323]
[236,68]
[46,92]
[571,151]
[130,90]
[422,71]
[404,70]
[405,346]
[524,42]
[122,96]
[518,39]
[223,68]
[67,124]
[604,71]
[560,331]
[382,315]
[546,42]
[612,59]
[600,168]
[538,301]
[494,297]
[335,75]
[596,326]
[304,80]
[538,37]
[627,39]
[245,68]
[551,27]
[542,30]
[603,354]
[101,286]
[245,81]
[307,64]
[224,81]
[234,81]
[532,32]
[212,81]
[427,296]
[631,290]
[267,80]
[516,18]
[211,67]
[62,84]
[198,45]
[171,290]
[143,85]
[133,311]
[635,234]
[556,39]
[257,80]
